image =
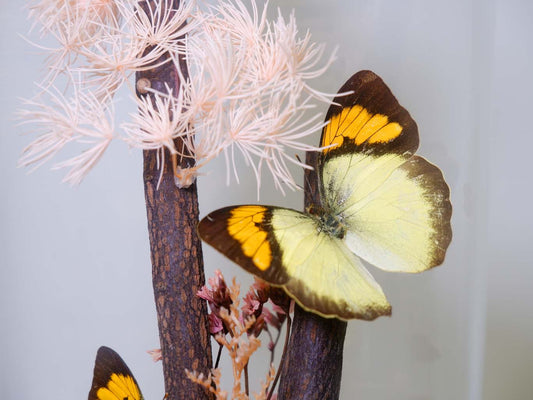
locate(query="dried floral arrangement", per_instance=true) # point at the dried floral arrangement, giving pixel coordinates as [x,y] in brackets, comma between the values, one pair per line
[222,79]
[246,89]
[238,329]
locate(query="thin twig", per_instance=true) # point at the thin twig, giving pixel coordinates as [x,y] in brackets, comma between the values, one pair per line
[219,353]
[285,347]
[246,381]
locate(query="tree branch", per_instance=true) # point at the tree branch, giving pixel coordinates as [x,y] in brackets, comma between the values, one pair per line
[176,254]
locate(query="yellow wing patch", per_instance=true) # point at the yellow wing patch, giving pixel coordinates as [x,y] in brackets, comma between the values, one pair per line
[359,126]
[119,387]
[244,225]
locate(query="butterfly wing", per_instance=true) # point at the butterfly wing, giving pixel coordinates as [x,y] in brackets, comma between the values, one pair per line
[394,204]
[112,379]
[285,248]
[369,120]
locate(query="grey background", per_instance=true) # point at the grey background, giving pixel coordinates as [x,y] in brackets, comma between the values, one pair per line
[74,263]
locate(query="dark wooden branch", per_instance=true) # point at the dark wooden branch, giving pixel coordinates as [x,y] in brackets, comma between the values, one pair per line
[314,362]
[177,264]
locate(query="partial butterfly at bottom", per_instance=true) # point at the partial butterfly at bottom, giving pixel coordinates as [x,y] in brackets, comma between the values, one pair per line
[380,203]
[112,379]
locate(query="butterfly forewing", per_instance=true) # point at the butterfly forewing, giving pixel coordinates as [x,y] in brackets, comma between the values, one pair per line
[368,120]
[244,234]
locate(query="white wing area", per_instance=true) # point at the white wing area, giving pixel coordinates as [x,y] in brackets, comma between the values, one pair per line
[396,209]
[325,276]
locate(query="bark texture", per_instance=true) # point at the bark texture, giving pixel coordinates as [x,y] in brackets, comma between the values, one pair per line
[313,368]
[177,263]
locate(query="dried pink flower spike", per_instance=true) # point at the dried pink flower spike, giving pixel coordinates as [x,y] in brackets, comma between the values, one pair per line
[216,325]
[236,328]
[218,298]
[276,318]
[256,305]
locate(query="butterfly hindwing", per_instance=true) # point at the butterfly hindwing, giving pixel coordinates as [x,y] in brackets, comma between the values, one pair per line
[112,379]
[325,277]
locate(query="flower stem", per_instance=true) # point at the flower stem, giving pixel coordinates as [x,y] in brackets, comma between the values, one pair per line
[246,381]
[283,356]
[219,353]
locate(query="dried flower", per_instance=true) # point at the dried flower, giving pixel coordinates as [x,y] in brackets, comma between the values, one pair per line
[219,295]
[211,383]
[255,302]
[81,118]
[216,325]
[155,354]
[248,90]
[255,312]
[237,329]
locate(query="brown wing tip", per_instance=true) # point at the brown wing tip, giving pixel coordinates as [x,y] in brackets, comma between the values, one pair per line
[353,84]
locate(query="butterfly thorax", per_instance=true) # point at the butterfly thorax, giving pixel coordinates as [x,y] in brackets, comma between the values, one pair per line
[332,225]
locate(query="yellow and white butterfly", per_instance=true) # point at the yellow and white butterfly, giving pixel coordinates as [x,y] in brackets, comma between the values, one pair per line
[380,203]
[112,379]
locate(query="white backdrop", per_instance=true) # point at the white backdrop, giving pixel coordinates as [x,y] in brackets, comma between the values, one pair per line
[74,263]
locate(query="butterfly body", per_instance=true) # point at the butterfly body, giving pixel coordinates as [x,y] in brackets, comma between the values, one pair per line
[378,202]
[332,225]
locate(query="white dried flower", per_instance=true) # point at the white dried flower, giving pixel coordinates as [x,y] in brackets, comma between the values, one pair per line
[154,126]
[248,90]
[54,119]
[82,118]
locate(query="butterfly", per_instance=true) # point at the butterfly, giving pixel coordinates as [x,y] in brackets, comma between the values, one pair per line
[112,379]
[380,203]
